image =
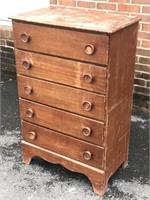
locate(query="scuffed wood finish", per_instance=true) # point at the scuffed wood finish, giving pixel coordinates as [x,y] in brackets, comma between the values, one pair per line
[78,19]
[60,42]
[68,146]
[69,61]
[96,176]
[121,65]
[62,121]
[120,89]
[70,72]
[62,97]
[118,129]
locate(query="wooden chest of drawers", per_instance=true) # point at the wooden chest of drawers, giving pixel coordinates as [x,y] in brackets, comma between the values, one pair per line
[75,78]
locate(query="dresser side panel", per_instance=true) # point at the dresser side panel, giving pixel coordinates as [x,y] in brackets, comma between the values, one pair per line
[121,64]
[119,97]
[118,134]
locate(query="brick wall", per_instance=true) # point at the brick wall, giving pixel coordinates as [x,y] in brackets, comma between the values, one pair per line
[7,60]
[125,7]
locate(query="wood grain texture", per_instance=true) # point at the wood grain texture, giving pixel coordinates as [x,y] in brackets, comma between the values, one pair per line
[62,97]
[121,65]
[118,127]
[70,72]
[119,97]
[96,176]
[62,121]
[61,42]
[52,88]
[78,19]
[64,145]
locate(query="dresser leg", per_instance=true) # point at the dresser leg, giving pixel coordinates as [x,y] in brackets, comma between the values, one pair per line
[26,157]
[125,164]
[100,187]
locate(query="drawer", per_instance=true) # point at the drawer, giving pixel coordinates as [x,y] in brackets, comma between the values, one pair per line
[63,97]
[67,43]
[77,74]
[61,121]
[79,150]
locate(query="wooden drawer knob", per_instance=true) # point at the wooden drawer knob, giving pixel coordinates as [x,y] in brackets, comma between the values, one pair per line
[25,37]
[86,131]
[87,105]
[28,89]
[87,155]
[89,49]
[87,78]
[32,135]
[29,113]
[26,64]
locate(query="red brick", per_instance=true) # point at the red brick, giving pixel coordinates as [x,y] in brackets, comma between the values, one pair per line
[142,68]
[129,8]
[120,1]
[141,1]
[145,18]
[86,4]
[146,9]
[2,42]
[144,60]
[141,82]
[143,52]
[67,3]
[148,83]
[11,35]
[142,90]
[4,33]
[139,74]
[54,2]
[144,35]
[106,6]
[146,27]
[141,97]
[145,44]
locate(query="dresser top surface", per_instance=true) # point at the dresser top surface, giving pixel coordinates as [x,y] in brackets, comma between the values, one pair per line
[90,20]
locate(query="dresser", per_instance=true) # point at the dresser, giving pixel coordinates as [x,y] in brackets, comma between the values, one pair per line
[75,72]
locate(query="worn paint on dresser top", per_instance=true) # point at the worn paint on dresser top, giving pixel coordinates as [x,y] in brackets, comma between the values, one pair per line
[91,20]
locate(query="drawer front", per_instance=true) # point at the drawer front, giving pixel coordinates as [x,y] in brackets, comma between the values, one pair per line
[63,97]
[64,145]
[77,74]
[61,42]
[61,121]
